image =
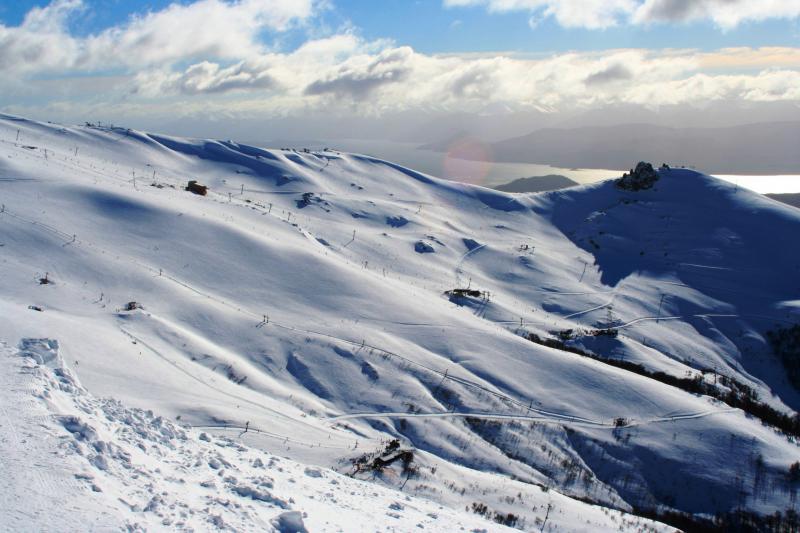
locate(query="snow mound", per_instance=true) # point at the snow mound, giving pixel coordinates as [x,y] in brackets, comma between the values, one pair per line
[43,351]
[289,522]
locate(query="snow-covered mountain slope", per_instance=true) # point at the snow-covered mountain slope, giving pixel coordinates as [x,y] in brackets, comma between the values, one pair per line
[137,471]
[303,298]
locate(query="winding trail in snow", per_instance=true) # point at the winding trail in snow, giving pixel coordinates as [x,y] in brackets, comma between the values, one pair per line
[701,315]
[596,308]
[545,415]
[554,419]
[362,344]
[458,270]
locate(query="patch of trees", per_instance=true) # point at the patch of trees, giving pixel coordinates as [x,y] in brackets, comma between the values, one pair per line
[785,343]
[794,472]
[506,519]
[737,395]
[737,521]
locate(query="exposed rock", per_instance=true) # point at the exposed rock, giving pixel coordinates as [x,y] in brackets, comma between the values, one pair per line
[641,178]
[423,247]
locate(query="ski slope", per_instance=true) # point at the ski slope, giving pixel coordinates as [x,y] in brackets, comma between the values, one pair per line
[303,299]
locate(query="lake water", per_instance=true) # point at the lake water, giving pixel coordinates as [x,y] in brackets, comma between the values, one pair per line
[486,173]
[491,173]
[766,184]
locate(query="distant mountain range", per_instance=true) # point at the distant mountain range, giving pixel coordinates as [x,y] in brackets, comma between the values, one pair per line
[765,148]
[789,199]
[550,182]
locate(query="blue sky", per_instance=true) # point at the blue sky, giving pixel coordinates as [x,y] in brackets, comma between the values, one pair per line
[430,27]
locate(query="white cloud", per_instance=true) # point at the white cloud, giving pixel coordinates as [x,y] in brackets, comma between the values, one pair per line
[199,30]
[726,14]
[344,73]
[207,77]
[206,28]
[40,42]
[362,75]
[594,14]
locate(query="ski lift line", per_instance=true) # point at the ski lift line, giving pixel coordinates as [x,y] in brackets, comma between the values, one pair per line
[277,436]
[42,225]
[76,164]
[210,386]
[136,262]
[110,131]
[462,381]
[256,315]
[468,383]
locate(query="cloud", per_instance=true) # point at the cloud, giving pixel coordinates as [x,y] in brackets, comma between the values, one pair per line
[199,30]
[609,74]
[767,86]
[205,28]
[598,14]
[346,75]
[40,42]
[207,78]
[726,14]
[593,14]
[158,61]
[362,75]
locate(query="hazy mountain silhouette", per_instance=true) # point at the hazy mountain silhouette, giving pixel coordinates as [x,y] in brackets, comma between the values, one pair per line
[550,182]
[769,148]
[792,199]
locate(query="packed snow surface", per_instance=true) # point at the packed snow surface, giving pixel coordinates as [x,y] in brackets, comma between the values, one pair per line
[331,342]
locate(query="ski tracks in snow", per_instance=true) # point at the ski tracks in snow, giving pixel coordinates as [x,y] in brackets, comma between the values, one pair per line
[459,270]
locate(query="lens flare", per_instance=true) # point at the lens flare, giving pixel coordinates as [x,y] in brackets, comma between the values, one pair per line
[467,160]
